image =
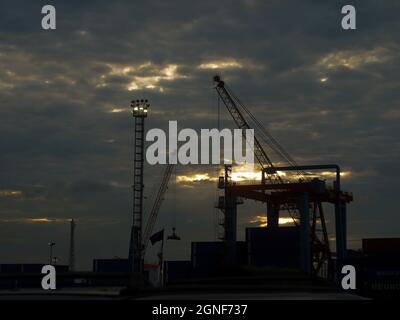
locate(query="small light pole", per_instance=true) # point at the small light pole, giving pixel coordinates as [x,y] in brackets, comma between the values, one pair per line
[51,245]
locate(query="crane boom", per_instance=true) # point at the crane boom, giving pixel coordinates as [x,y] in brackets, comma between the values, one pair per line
[157,204]
[265,162]
[259,153]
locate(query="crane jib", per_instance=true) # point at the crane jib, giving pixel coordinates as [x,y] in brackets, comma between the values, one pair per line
[240,121]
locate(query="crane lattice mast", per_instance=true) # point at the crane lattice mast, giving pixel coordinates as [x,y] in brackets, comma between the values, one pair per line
[157,204]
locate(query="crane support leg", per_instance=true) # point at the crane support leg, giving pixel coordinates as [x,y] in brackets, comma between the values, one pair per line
[272,215]
[305,248]
[340,224]
[230,228]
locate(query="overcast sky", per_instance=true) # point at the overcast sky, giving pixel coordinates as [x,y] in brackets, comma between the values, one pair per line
[327,95]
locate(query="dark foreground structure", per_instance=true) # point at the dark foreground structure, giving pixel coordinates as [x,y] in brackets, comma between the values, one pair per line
[269,261]
[268,268]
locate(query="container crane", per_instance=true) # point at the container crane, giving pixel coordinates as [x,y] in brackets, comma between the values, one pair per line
[292,197]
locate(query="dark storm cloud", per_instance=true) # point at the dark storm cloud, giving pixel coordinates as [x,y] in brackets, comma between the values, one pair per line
[327,95]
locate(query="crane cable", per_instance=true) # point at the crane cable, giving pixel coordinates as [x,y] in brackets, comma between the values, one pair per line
[274,145]
[217,194]
[267,137]
[174,198]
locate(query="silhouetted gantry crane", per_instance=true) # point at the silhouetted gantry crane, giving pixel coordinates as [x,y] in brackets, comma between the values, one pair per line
[303,198]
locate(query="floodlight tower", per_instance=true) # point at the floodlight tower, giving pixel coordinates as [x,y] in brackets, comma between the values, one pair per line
[139,109]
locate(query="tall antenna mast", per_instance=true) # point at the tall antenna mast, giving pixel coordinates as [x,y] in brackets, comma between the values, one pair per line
[72,247]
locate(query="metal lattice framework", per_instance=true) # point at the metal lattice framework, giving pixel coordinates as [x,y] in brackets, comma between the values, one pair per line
[140,108]
[157,204]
